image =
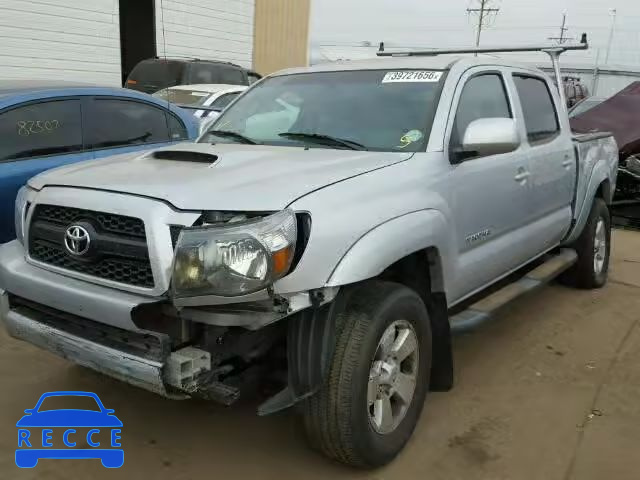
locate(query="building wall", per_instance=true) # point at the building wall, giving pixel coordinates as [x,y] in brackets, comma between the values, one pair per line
[60,39]
[281,37]
[79,40]
[211,29]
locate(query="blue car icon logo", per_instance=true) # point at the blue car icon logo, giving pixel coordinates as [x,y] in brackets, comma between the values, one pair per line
[39,427]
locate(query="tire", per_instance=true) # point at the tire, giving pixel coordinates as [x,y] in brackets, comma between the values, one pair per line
[339,420]
[586,272]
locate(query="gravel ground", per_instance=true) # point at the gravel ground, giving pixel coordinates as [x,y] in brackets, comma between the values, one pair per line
[550,390]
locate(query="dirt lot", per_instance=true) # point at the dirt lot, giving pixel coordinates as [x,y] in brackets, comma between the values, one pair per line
[550,390]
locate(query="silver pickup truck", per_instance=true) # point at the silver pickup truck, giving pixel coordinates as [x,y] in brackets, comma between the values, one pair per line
[328,235]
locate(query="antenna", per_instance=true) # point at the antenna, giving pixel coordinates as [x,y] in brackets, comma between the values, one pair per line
[563,29]
[484,12]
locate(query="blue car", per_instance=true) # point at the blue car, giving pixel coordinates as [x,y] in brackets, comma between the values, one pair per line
[37,428]
[47,125]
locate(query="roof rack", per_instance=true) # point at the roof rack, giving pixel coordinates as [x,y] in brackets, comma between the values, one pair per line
[554,52]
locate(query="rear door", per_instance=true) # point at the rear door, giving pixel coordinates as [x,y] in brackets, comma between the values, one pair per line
[35,137]
[489,195]
[120,125]
[551,159]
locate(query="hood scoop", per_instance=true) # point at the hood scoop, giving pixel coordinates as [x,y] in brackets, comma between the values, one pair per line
[185,156]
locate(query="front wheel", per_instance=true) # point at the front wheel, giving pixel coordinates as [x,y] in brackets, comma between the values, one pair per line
[593,247]
[378,378]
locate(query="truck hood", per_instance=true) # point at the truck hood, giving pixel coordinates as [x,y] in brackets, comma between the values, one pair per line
[242,177]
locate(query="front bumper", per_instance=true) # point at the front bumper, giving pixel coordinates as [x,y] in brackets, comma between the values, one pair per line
[108,309]
[136,370]
[132,369]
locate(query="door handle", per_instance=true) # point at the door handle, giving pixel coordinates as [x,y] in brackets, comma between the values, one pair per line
[567,162]
[522,176]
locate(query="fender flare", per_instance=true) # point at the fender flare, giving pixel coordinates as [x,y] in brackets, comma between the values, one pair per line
[599,175]
[392,240]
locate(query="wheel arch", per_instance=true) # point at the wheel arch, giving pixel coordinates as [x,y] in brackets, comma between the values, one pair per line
[423,232]
[599,186]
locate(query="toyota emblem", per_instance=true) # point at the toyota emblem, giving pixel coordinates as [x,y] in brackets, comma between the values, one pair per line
[77,240]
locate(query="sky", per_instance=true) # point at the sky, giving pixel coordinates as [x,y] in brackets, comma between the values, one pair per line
[340,27]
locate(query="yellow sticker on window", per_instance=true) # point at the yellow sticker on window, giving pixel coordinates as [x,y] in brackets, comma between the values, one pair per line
[410,137]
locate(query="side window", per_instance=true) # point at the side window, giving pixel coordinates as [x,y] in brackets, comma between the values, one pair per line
[253,77]
[117,123]
[177,130]
[232,76]
[540,116]
[35,130]
[223,100]
[483,96]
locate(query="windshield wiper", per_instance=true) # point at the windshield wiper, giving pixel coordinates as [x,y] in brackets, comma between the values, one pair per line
[324,139]
[230,134]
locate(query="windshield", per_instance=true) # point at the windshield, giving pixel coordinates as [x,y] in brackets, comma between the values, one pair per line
[585,106]
[371,109]
[183,97]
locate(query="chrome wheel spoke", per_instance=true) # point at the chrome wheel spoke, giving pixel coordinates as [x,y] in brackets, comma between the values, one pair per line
[386,342]
[404,386]
[404,345]
[599,246]
[383,414]
[373,386]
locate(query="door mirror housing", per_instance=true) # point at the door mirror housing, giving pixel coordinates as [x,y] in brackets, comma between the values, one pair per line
[489,136]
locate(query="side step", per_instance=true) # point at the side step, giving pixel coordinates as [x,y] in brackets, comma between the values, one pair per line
[486,308]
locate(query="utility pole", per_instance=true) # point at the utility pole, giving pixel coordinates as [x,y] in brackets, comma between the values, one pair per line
[613,12]
[484,10]
[563,29]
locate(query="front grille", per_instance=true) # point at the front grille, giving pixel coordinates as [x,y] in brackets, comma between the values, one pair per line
[118,224]
[115,269]
[147,345]
[118,249]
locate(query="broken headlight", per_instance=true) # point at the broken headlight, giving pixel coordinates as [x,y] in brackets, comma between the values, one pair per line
[234,258]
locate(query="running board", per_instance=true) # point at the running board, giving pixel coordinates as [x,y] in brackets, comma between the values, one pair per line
[486,308]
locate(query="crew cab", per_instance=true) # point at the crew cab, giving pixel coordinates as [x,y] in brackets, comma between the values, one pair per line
[336,225]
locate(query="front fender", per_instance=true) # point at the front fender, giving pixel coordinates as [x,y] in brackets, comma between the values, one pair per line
[388,242]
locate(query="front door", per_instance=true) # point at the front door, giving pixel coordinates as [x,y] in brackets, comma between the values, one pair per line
[489,195]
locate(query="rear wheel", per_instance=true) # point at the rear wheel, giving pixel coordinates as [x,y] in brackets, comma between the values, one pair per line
[593,248]
[378,378]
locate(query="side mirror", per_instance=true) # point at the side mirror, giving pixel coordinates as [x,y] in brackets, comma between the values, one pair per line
[109,411]
[29,411]
[490,136]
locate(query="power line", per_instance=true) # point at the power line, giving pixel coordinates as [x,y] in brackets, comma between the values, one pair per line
[563,29]
[485,11]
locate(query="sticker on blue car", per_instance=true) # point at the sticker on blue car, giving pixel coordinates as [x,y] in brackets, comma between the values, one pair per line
[84,433]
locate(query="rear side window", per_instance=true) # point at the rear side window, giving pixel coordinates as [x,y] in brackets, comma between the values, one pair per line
[483,96]
[36,130]
[153,75]
[177,130]
[215,73]
[540,116]
[117,123]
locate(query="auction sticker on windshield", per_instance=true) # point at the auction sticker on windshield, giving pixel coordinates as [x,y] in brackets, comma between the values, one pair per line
[412,76]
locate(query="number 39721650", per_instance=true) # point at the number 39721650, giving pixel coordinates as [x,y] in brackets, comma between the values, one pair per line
[35,127]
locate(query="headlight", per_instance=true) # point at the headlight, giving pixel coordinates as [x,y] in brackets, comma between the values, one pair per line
[234,259]
[20,212]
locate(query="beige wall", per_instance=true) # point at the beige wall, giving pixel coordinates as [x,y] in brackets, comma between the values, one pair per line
[281,34]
